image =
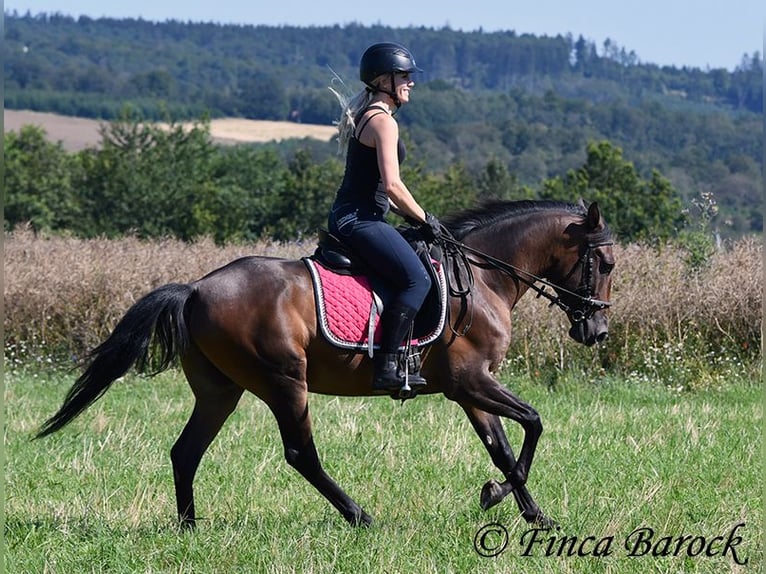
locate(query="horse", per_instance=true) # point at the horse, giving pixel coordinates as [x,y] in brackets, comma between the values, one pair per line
[251,325]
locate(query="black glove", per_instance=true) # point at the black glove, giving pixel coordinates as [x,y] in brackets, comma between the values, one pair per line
[431,229]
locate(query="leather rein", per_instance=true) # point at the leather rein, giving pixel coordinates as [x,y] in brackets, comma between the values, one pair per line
[456,258]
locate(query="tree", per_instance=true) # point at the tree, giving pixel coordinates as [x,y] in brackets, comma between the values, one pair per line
[259,173]
[149,180]
[38,182]
[262,96]
[446,193]
[307,196]
[637,209]
[495,182]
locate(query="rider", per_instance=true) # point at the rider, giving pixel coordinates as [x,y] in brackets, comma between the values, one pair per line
[368,134]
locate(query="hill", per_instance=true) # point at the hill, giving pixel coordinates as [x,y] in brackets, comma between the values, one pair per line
[264,72]
[528,104]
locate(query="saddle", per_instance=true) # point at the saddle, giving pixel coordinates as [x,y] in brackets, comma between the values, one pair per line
[350,296]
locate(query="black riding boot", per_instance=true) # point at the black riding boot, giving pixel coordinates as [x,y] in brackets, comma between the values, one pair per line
[389,364]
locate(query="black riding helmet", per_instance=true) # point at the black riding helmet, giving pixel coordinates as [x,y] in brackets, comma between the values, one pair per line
[386,58]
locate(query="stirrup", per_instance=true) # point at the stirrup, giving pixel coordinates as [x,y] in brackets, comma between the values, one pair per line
[413,383]
[410,365]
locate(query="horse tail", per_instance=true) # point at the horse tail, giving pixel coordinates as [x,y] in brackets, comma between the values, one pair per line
[158,316]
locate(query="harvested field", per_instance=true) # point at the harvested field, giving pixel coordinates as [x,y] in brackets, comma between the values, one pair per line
[78,133]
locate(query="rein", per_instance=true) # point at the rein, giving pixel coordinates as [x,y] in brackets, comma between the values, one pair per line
[455,251]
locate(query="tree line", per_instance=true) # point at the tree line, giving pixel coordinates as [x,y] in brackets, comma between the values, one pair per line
[150,181]
[531,104]
[227,69]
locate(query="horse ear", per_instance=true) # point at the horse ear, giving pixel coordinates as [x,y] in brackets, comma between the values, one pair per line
[581,203]
[594,216]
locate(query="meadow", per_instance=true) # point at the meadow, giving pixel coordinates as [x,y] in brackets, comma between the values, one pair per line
[650,460]
[615,459]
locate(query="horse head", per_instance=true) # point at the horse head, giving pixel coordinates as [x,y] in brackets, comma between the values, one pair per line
[585,281]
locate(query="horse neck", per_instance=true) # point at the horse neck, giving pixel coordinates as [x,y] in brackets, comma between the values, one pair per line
[531,242]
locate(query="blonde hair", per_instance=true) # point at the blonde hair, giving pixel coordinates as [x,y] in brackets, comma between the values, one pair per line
[351,105]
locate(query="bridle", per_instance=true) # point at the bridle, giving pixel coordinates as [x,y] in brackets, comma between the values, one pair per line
[584,296]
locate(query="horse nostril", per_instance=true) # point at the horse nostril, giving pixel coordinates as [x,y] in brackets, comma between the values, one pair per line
[601,337]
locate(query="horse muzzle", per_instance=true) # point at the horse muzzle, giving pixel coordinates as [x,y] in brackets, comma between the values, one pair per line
[589,331]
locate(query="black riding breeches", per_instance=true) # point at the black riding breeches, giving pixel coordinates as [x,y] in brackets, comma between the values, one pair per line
[386,252]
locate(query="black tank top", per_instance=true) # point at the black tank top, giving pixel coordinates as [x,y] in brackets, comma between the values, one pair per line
[361,187]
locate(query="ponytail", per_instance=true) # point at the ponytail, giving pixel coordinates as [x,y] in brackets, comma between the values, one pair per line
[350,105]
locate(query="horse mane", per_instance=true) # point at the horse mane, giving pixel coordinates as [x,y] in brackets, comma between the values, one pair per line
[491,211]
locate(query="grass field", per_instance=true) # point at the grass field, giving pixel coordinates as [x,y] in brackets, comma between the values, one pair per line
[614,458]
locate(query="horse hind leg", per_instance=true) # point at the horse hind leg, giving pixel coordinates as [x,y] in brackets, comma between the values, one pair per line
[216,397]
[292,413]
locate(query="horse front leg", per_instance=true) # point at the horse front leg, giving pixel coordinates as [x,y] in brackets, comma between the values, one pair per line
[490,430]
[486,394]
[481,391]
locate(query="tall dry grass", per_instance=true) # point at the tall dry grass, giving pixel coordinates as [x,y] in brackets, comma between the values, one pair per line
[658,297]
[687,327]
[63,295]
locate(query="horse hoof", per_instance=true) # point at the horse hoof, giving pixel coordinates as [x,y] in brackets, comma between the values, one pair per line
[491,494]
[362,519]
[187,525]
[542,521]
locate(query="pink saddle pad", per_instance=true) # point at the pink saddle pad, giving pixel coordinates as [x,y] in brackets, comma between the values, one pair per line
[346,306]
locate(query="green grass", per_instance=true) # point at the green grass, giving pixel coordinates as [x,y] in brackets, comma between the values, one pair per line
[98,496]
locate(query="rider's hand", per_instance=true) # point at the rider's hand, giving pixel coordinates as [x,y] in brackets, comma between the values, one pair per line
[431,229]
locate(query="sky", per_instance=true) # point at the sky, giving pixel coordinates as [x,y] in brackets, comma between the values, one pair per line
[694,33]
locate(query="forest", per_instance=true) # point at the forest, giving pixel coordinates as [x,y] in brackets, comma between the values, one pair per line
[531,109]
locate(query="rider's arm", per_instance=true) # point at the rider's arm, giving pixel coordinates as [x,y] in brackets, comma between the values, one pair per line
[386,134]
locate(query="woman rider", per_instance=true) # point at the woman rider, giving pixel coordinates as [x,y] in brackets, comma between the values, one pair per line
[369,137]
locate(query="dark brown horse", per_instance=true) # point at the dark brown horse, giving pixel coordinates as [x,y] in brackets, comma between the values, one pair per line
[252,325]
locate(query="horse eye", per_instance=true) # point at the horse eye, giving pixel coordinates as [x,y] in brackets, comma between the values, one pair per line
[605,267]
